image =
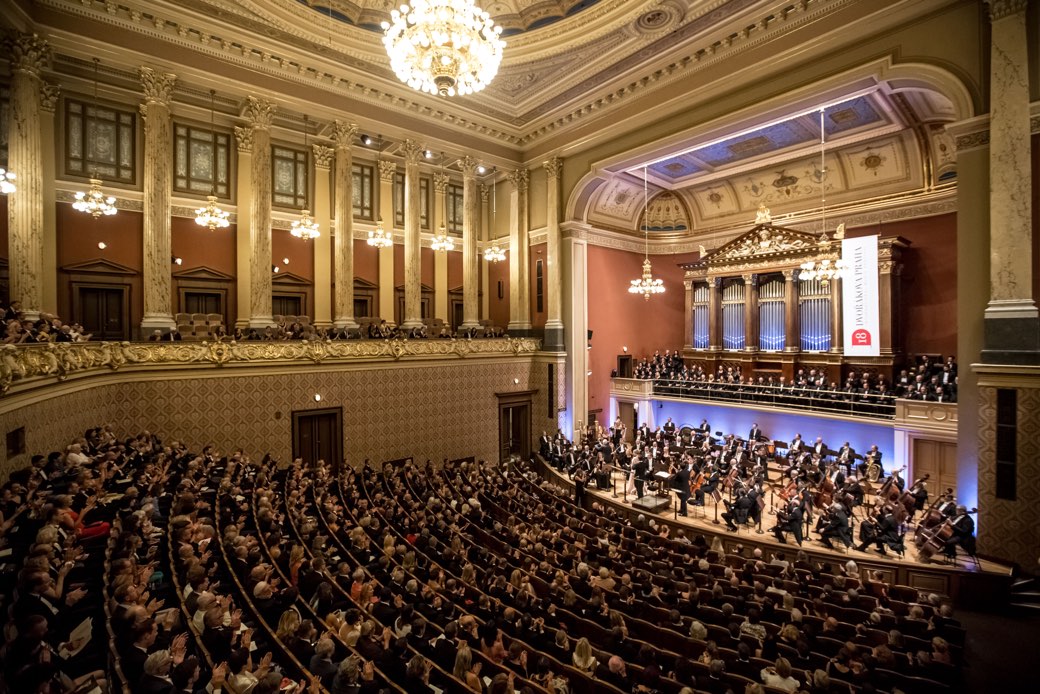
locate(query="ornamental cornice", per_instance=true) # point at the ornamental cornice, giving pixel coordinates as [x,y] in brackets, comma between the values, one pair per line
[60,361]
[999,9]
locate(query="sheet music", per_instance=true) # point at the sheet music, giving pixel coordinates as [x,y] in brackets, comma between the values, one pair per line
[81,635]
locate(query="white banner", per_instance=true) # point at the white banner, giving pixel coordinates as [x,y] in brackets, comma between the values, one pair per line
[859,292]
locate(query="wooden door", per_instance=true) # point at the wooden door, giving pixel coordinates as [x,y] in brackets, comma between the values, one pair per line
[318,435]
[103,312]
[627,412]
[203,302]
[938,459]
[514,428]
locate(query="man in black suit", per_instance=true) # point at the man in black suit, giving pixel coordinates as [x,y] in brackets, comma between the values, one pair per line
[321,665]
[837,526]
[682,487]
[963,533]
[790,521]
[754,435]
[737,512]
[640,470]
[819,448]
[669,429]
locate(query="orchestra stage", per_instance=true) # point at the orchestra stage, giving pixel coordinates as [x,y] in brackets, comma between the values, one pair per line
[967,583]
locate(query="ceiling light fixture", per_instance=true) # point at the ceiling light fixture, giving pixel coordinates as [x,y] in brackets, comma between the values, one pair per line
[305,227]
[380,238]
[444,47]
[94,201]
[494,253]
[211,216]
[825,269]
[646,285]
[443,242]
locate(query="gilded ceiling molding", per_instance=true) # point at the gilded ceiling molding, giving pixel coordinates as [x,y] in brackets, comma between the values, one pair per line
[58,361]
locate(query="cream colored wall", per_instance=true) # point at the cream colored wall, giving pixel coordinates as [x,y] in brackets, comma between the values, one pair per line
[429,409]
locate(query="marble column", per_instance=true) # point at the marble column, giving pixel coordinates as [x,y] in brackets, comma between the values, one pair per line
[440,258]
[715,313]
[260,113]
[48,104]
[750,312]
[244,199]
[1012,325]
[322,246]
[485,238]
[387,174]
[158,179]
[343,134]
[470,228]
[519,256]
[688,314]
[553,340]
[792,333]
[28,55]
[837,336]
[413,154]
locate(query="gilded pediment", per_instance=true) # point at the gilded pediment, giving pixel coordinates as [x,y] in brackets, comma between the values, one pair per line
[764,242]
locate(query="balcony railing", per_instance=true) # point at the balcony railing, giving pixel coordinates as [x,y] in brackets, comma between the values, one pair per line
[804,399]
[62,360]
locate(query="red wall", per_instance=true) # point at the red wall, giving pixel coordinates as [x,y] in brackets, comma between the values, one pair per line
[199,247]
[498,309]
[455,269]
[928,310]
[538,317]
[1035,140]
[619,319]
[366,262]
[299,252]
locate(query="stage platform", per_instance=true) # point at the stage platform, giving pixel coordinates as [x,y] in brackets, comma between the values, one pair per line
[983,585]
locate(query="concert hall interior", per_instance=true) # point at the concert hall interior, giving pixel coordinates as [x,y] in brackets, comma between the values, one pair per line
[526,325]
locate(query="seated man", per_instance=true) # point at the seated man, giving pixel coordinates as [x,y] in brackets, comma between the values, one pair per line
[789,520]
[837,526]
[963,533]
[738,511]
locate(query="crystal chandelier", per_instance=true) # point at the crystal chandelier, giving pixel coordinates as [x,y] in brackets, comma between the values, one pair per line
[6,182]
[443,242]
[646,285]
[494,253]
[444,47]
[94,201]
[826,269]
[305,227]
[211,216]
[380,238]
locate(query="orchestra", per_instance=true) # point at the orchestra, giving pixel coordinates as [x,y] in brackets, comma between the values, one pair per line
[807,485]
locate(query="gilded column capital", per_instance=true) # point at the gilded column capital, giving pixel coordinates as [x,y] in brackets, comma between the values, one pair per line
[343,134]
[553,167]
[387,171]
[412,151]
[157,86]
[790,275]
[49,97]
[469,166]
[999,9]
[244,137]
[259,112]
[323,156]
[749,278]
[688,284]
[28,53]
[519,179]
[485,193]
[440,182]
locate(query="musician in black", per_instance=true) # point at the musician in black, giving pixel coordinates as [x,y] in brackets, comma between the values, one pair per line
[709,487]
[947,506]
[789,520]
[881,531]
[754,435]
[581,480]
[755,511]
[963,533]
[837,526]
[738,511]
[919,491]
[682,486]
[669,429]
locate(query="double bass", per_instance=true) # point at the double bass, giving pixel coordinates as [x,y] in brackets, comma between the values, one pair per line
[931,541]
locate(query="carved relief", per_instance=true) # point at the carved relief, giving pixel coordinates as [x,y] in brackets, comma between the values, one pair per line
[323,156]
[387,171]
[553,167]
[244,137]
[157,86]
[49,97]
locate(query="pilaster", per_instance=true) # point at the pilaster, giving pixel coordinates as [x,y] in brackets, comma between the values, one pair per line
[837,334]
[440,258]
[412,318]
[485,239]
[343,135]
[553,340]
[243,228]
[387,172]
[750,312]
[519,256]
[792,336]
[158,173]
[322,246]
[688,314]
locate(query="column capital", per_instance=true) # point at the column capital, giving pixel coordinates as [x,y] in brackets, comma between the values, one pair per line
[553,167]
[519,179]
[999,9]
[323,156]
[749,278]
[790,275]
[688,284]
[49,97]
[28,53]
[244,137]
[387,171]
[343,133]
[485,194]
[440,182]
[412,151]
[157,86]
[259,112]
[469,166]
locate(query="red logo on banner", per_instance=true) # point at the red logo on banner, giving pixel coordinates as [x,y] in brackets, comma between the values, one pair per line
[861,338]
